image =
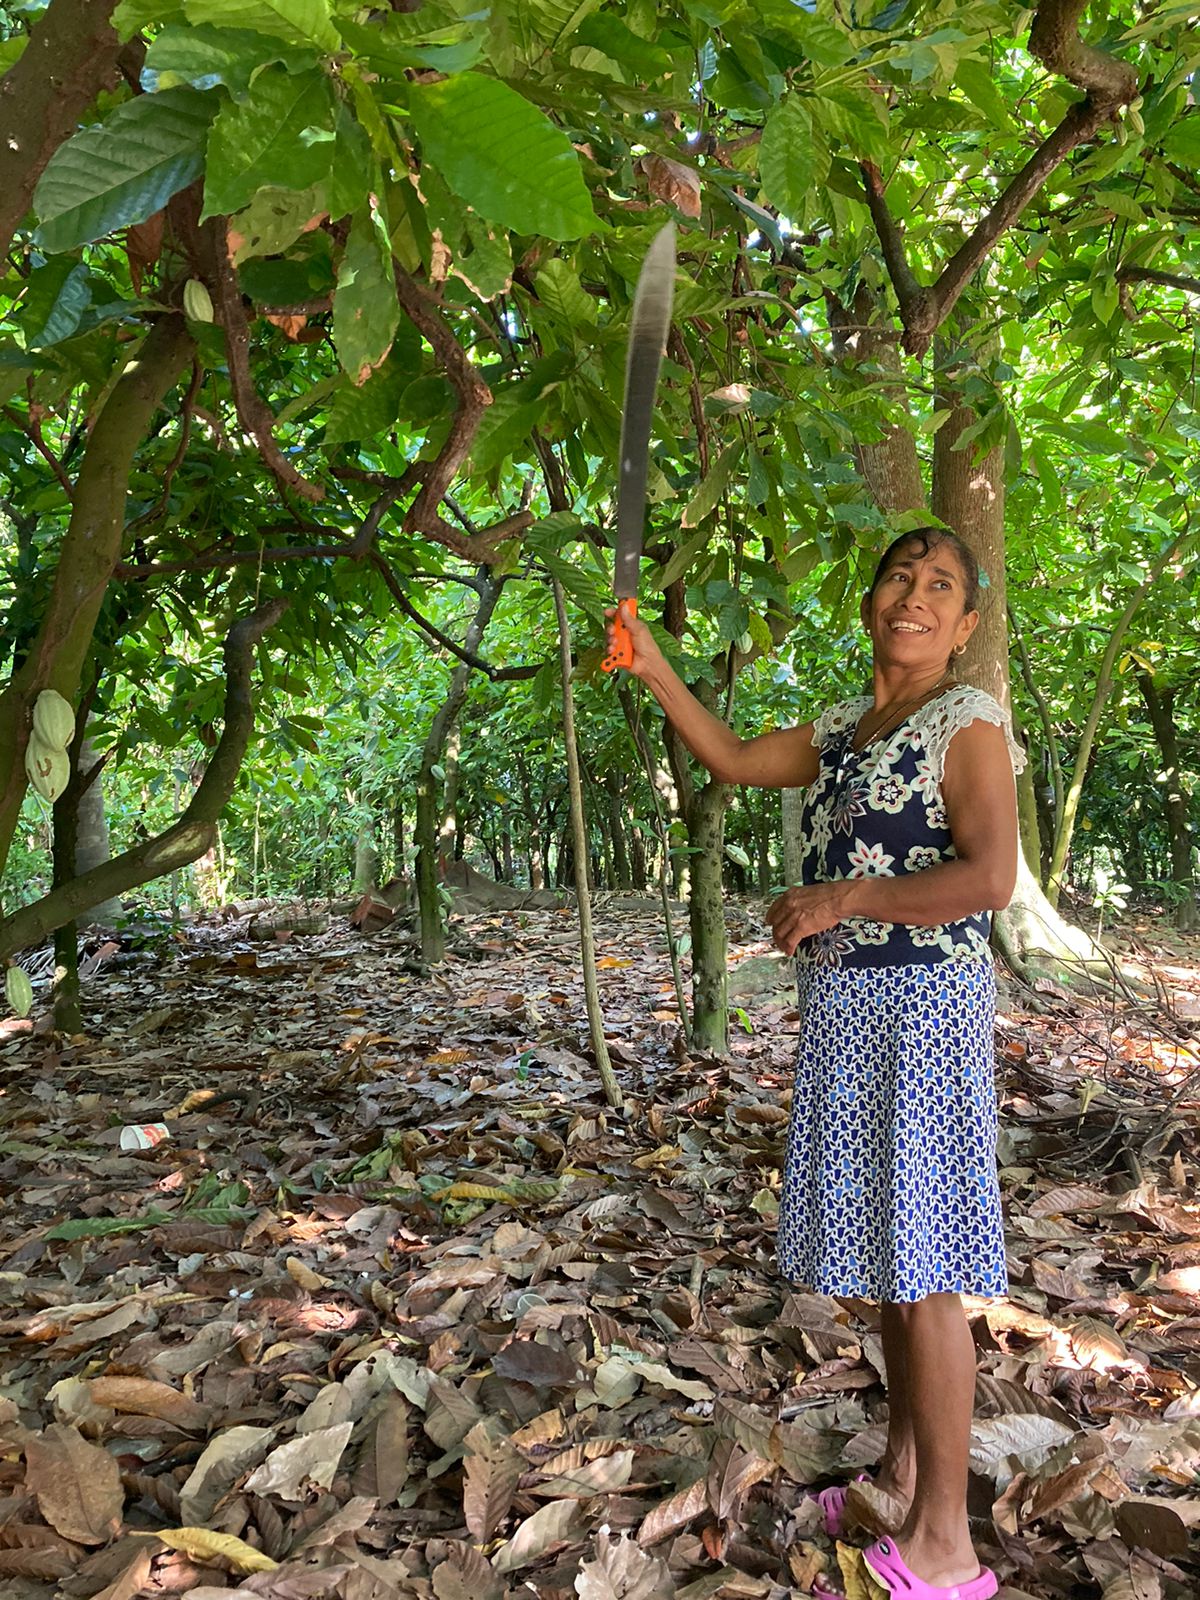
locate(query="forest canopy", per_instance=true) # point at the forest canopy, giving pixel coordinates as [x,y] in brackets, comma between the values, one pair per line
[313,337]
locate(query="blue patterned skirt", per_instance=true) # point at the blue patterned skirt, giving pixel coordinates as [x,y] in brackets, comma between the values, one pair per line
[890,1189]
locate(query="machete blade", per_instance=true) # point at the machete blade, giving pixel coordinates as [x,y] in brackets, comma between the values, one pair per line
[649,326]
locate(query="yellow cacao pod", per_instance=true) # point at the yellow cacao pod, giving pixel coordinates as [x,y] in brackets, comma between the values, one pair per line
[18,991]
[53,720]
[49,770]
[197,302]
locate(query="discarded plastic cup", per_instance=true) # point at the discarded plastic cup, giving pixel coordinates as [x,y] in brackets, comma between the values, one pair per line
[143,1135]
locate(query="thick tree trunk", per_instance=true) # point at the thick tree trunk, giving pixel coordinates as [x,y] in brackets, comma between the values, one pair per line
[366,860]
[91,836]
[71,56]
[1160,703]
[89,551]
[968,495]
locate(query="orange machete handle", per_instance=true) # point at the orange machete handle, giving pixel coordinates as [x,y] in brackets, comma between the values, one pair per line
[620,652]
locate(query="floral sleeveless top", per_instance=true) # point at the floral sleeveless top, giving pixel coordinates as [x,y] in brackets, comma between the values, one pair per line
[879,813]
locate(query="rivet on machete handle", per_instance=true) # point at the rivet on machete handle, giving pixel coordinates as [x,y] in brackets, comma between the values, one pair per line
[648,329]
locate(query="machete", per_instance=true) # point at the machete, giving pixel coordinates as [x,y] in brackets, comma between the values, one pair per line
[648,331]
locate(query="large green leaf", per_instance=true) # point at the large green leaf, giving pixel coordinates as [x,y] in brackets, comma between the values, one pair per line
[56,297]
[122,170]
[298,21]
[714,486]
[205,57]
[281,137]
[365,309]
[502,156]
[785,157]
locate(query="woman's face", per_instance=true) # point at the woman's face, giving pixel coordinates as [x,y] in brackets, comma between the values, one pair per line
[915,617]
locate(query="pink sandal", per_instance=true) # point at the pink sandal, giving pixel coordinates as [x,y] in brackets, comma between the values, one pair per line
[832,1502]
[887,1564]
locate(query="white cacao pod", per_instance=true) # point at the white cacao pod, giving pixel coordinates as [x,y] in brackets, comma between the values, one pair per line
[197,302]
[53,720]
[49,770]
[18,991]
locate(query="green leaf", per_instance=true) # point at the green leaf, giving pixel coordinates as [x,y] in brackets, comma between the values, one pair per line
[505,426]
[979,86]
[714,486]
[399,44]
[677,565]
[56,297]
[1105,297]
[1182,141]
[205,57]
[101,1227]
[131,16]
[502,156]
[363,413]
[560,291]
[274,219]
[298,21]
[122,170]
[785,157]
[365,309]
[269,140]
[487,268]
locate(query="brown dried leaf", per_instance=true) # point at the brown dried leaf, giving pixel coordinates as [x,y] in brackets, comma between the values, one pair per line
[391,1449]
[1152,1525]
[673,182]
[545,1366]
[605,1475]
[148,1398]
[222,1462]
[465,1574]
[684,1506]
[622,1570]
[491,1471]
[77,1484]
[550,1525]
[308,1461]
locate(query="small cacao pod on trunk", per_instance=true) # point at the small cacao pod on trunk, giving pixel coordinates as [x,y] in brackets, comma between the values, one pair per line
[18,991]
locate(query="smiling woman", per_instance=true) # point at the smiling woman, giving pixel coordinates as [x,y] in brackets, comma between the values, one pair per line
[909,842]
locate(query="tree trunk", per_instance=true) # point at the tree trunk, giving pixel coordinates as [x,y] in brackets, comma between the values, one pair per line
[1160,703]
[44,96]
[968,495]
[638,867]
[429,811]
[618,821]
[90,548]
[188,837]
[67,1017]
[366,859]
[398,861]
[791,803]
[91,838]
[706,910]
[449,843]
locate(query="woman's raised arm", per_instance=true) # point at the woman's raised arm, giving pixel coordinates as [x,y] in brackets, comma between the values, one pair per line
[785,759]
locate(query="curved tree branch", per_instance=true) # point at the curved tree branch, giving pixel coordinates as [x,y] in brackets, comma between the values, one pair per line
[1108,84]
[191,834]
[474,397]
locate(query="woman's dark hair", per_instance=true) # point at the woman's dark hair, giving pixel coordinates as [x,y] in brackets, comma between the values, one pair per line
[922,541]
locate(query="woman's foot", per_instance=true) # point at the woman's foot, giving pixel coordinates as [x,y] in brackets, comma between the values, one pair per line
[927,1569]
[939,1562]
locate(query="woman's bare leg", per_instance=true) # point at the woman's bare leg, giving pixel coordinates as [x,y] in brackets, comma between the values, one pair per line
[897,1475]
[938,1356]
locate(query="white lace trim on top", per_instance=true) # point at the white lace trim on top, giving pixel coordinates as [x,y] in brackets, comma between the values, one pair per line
[938,720]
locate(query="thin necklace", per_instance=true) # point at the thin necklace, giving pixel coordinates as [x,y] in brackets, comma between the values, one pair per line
[887,725]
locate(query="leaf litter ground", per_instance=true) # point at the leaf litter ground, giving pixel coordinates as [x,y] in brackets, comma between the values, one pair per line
[401,1308]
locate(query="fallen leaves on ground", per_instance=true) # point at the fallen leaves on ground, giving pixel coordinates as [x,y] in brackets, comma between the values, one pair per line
[402,1308]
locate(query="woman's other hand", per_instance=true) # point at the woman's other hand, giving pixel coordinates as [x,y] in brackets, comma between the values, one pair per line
[646,654]
[799,913]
